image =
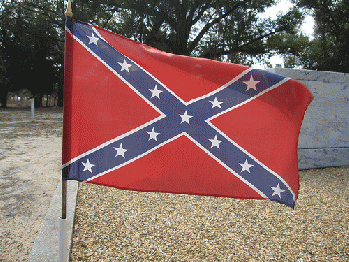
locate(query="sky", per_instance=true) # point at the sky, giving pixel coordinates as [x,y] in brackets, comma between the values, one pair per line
[282,7]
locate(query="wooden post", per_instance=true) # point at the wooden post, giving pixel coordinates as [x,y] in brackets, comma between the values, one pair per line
[32,106]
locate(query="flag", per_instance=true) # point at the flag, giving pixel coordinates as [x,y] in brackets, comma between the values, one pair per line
[137,118]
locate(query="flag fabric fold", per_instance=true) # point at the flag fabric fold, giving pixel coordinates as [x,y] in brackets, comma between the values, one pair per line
[141,119]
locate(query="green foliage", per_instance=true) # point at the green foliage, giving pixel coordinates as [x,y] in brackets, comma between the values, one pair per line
[290,46]
[32,46]
[329,49]
[213,29]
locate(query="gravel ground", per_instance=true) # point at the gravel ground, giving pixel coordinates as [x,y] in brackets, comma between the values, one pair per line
[117,225]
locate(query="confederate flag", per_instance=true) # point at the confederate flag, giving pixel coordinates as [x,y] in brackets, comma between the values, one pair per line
[141,119]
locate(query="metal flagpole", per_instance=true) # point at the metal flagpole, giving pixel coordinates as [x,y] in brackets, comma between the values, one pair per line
[63,241]
[68,13]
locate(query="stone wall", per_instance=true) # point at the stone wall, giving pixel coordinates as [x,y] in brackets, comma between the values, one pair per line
[324,136]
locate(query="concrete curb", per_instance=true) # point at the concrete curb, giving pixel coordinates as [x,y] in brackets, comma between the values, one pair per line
[47,244]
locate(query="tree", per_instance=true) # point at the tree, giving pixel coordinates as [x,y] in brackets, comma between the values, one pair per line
[329,49]
[3,76]
[216,29]
[211,29]
[32,46]
[290,46]
[230,30]
[32,43]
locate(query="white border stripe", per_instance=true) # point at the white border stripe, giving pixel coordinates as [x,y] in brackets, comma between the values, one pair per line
[222,87]
[145,71]
[241,148]
[227,167]
[253,157]
[169,90]
[114,72]
[137,157]
[112,141]
[248,100]
[162,115]
[196,143]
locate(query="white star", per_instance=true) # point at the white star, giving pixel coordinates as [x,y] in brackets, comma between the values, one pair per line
[153,135]
[87,166]
[215,142]
[277,190]
[251,84]
[215,103]
[120,151]
[246,166]
[125,66]
[155,92]
[93,39]
[185,117]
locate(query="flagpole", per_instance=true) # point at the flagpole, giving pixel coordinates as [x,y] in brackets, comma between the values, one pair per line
[63,241]
[68,13]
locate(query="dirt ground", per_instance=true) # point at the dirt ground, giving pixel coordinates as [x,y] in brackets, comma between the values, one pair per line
[30,166]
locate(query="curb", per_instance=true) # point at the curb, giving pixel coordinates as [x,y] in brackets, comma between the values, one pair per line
[46,246]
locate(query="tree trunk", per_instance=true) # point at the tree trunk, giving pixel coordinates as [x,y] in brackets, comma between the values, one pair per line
[3,96]
[38,100]
[60,97]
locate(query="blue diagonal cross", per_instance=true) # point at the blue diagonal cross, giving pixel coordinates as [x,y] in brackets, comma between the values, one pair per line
[178,118]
